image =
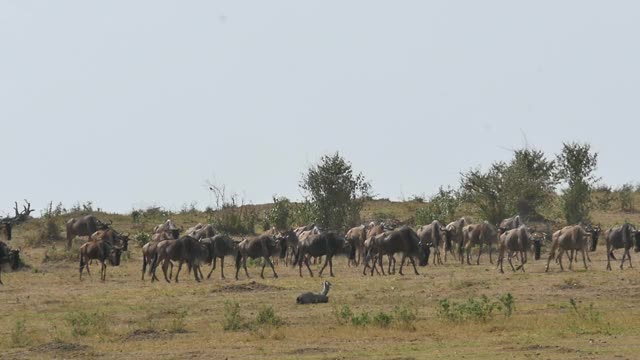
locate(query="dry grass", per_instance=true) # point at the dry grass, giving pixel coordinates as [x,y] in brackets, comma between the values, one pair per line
[126,317]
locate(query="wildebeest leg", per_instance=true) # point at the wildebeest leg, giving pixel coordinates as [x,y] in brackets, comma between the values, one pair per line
[509,256]
[414,265]
[144,266]
[584,257]
[560,259]
[272,268]
[165,266]
[326,261]
[404,256]
[103,271]
[479,253]
[264,263]
[330,265]
[608,257]
[490,252]
[213,267]
[552,255]
[244,265]
[523,255]
[306,262]
[179,268]
[381,264]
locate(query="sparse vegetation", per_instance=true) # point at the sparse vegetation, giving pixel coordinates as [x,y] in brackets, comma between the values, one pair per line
[87,323]
[232,318]
[480,309]
[267,316]
[19,336]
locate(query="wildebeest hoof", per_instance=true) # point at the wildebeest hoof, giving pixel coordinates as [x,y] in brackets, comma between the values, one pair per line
[275,276]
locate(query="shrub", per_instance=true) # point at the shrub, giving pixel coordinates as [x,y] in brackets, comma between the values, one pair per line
[136,216]
[142,238]
[232,319]
[361,320]
[84,323]
[587,320]
[343,314]
[382,319]
[479,309]
[280,213]
[405,317]
[268,317]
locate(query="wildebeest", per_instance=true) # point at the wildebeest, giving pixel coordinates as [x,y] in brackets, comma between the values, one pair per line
[478,234]
[102,251]
[572,237]
[300,229]
[512,241]
[356,237]
[326,244]
[84,226]
[204,231]
[168,227]
[7,255]
[621,237]
[402,240]
[509,223]
[262,246]
[453,235]
[431,235]
[148,253]
[184,250]
[311,298]
[219,246]
[288,245]
[112,236]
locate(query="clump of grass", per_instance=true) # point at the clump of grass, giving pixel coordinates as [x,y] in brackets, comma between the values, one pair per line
[587,320]
[55,254]
[19,336]
[362,319]
[142,238]
[405,317]
[266,316]
[87,323]
[178,323]
[232,318]
[343,314]
[480,309]
[382,319]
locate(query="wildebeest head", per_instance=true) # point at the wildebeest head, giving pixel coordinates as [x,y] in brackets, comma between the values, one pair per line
[423,254]
[124,240]
[14,259]
[595,234]
[114,255]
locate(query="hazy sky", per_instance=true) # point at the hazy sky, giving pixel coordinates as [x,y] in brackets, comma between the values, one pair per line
[138,103]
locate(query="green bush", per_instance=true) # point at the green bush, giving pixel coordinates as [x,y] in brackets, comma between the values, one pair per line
[480,309]
[361,320]
[588,321]
[232,318]
[142,238]
[343,314]
[266,316]
[405,317]
[382,319]
[85,323]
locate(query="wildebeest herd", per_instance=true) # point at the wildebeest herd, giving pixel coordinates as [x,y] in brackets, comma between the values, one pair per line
[367,245]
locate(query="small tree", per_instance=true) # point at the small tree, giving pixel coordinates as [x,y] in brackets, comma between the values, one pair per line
[441,206]
[485,191]
[280,214]
[335,192]
[576,166]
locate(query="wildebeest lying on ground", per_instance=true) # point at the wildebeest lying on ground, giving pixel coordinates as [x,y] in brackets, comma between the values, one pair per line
[326,244]
[102,251]
[403,240]
[478,234]
[569,238]
[512,241]
[84,226]
[311,298]
[621,237]
[219,246]
[263,246]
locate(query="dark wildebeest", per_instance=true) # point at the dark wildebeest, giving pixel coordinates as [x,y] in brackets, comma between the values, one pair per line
[478,234]
[311,298]
[112,236]
[453,235]
[7,255]
[219,246]
[431,235]
[403,240]
[509,224]
[84,226]
[262,246]
[356,237]
[185,249]
[326,244]
[621,237]
[102,251]
[512,241]
[569,238]
[288,245]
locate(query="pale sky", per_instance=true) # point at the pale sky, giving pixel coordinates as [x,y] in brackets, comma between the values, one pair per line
[138,103]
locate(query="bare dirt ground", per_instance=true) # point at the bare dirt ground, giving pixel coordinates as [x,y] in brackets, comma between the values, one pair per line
[47,312]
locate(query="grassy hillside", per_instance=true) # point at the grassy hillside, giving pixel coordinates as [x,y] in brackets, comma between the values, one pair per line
[48,312]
